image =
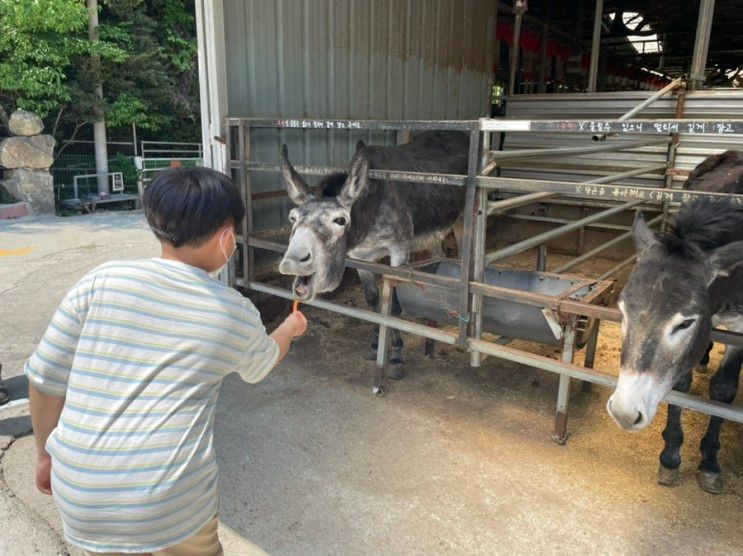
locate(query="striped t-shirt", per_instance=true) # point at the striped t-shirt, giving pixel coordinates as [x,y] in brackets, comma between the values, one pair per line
[139,350]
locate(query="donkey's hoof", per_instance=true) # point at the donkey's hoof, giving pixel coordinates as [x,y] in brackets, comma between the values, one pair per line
[395,370]
[668,477]
[710,482]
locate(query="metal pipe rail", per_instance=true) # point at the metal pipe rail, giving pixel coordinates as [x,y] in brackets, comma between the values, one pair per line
[554,220]
[535,153]
[458,180]
[498,206]
[411,275]
[603,247]
[625,127]
[341,124]
[467,286]
[521,246]
[644,104]
[718,409]
[613,192]
[613,270]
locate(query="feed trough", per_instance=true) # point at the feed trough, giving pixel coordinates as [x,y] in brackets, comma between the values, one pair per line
[506,318]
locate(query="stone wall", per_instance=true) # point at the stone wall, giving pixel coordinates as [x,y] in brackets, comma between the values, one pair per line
[27,156]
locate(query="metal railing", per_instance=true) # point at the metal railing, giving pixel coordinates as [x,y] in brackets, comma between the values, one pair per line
[469,285]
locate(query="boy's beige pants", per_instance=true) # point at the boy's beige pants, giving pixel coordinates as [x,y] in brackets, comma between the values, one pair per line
[204,543]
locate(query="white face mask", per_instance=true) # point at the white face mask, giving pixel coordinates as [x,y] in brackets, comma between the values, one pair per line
[227,258]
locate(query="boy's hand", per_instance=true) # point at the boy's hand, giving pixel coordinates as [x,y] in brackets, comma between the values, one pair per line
[44,474]
[299,322]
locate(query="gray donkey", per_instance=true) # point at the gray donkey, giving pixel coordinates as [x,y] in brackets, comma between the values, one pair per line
[719,173]
[368,219]
[684,283]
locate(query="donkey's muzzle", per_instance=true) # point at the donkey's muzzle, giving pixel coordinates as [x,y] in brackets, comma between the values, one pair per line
[297,264]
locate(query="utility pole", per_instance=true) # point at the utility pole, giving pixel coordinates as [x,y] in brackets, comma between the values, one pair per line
[99,124]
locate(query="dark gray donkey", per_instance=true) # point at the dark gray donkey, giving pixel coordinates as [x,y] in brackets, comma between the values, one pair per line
[369,219]
[684,283]
[719,173]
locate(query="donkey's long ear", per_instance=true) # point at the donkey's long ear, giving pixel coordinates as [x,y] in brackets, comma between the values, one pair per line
[644,236]
[357,180]
[726,279]
[295,186]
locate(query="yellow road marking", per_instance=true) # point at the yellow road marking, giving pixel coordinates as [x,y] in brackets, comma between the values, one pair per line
[16,252]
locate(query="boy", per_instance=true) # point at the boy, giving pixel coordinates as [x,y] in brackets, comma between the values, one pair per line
[124,383]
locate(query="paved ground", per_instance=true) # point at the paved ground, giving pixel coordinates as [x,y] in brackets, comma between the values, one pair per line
[451,460]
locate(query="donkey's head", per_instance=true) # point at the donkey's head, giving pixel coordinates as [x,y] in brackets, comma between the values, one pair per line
[667,307]
[318,242]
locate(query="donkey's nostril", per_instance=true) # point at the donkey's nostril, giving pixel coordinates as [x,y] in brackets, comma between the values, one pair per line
[639,418]
[306,258]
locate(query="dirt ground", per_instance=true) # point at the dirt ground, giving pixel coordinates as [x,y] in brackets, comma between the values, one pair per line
[452,460]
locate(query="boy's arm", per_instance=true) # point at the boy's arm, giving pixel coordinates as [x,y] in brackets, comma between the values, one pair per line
[264,351]
[45,412]
[48,368]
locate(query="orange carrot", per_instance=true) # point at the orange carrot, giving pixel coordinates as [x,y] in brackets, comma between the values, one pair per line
[295,307]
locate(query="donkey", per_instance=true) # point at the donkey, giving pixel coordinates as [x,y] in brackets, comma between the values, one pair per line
[684,283]
[719,173]
[370,219]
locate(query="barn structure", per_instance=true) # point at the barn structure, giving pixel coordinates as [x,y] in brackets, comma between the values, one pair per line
[579,114]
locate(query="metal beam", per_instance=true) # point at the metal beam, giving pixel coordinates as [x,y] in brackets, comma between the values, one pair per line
[613,192]
[595,46]
[604,147]
[557,232]
[701,44]
[718,409]
[628,127]
[644,104]
[599,248]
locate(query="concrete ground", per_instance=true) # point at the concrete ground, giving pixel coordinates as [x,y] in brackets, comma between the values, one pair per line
[450,461]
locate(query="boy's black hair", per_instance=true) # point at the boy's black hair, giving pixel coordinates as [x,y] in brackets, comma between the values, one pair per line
[186,206]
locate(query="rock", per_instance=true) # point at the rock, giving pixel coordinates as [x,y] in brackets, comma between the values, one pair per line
[35,187]
[23,122]
[27,152]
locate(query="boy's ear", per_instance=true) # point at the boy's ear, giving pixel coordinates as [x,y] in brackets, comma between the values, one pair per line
[726,278]
[295,186]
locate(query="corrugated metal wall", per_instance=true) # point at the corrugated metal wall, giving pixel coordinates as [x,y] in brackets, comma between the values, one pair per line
[378,59]
[711,104]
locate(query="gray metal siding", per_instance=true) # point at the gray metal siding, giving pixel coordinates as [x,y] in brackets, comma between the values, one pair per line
[710,104]
[377,59]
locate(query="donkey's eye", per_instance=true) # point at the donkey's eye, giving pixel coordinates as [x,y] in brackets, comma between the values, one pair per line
[684,325]
[341,221]
[292,219]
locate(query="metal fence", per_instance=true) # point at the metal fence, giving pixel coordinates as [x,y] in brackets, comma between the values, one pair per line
[160,155]
[469,287]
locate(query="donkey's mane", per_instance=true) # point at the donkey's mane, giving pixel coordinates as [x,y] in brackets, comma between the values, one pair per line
[702,225]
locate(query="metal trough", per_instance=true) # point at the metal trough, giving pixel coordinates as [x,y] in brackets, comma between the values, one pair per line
[505,318]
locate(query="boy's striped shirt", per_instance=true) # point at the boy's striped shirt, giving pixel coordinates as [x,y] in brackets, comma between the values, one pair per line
[139,350]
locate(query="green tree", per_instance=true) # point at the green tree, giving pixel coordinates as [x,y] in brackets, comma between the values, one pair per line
[38,42]
[148,65]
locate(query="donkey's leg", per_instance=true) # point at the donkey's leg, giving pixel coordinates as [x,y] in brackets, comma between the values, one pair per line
[702,368]
[371,293]
[673,434]
[722,388]
[458,230]
[398,257]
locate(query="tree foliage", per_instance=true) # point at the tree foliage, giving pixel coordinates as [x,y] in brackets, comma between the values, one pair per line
[147,51]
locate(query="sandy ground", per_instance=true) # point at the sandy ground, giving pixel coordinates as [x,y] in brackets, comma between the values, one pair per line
[451,460]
